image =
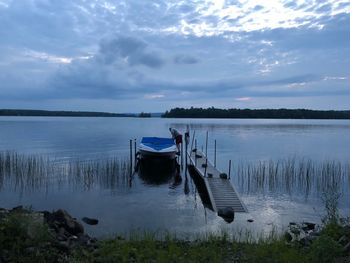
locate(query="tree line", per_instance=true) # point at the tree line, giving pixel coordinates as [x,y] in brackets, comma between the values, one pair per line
[46,113]
[256,113]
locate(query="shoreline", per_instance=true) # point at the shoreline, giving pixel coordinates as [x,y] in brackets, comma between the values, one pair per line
[58,237]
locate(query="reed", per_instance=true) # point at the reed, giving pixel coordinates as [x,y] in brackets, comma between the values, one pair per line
[35,172]
[292,175]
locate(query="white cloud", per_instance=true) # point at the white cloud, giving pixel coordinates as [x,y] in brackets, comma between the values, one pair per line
[179,51]
[243,99]
[47,57]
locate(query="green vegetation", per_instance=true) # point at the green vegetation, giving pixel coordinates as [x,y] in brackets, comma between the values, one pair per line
[255,114]
[24,239]
[293,175]
[17,112]
[28,173]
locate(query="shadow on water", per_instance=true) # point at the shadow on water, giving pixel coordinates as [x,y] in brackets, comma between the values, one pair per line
[155,171]
[201,188]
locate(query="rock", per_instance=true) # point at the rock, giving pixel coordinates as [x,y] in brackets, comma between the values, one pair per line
[90,221]
[17,209]
[62,219]
[295,231]
[250,220]
[228,214]
[288,236]
[309,226]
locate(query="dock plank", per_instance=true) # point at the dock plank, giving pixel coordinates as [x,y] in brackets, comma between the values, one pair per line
[221,192]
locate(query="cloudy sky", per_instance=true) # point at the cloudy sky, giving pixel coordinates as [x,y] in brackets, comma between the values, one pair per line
[132,56]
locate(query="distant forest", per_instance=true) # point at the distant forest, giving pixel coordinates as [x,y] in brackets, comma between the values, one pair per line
[12,112]
[256,114]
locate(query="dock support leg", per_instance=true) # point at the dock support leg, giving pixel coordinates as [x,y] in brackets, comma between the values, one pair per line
[215,153]
[229,170]
[130,154]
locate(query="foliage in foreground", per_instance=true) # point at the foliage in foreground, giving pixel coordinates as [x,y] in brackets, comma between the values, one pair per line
[23,238]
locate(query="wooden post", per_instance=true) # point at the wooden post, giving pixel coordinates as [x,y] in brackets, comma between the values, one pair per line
[135,153]
[193,139]
[206,145]
[186,146]
[195,157]
[215,153]
[206,155]
[131,153]
[229,170]
[182,152]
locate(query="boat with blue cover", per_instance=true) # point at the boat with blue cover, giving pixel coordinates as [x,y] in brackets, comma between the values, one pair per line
[158,147]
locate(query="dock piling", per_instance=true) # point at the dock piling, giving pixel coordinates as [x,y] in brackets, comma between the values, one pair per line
[215,153]
[229,170]
[130,153]
[206,154]
[181,154]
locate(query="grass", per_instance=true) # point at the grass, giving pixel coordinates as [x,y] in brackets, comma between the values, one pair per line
[27,173]
[34,172]
[292,176]
[24,239]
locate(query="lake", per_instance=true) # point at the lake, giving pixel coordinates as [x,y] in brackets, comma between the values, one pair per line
[123,207]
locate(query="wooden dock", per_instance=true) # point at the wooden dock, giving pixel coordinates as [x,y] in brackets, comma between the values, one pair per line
[221,192]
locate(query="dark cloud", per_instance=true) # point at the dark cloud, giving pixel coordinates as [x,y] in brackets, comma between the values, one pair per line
[123,50]
[134,51]
[185,59]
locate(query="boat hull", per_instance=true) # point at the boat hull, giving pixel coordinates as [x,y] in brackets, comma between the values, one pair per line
[156,147]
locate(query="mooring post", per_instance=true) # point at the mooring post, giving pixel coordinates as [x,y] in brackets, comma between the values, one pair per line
[131,153]
[215,153]
[193,139]
[229,170]
[186,146]
[195,154]
[206,155]
[181,154]
[206,145]
[135,153]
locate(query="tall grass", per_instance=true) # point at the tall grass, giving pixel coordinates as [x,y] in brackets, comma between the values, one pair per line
[292,175]
[34,172]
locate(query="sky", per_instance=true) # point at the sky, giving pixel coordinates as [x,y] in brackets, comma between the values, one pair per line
[154,55]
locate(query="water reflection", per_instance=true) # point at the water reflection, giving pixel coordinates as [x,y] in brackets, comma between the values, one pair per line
[153,171]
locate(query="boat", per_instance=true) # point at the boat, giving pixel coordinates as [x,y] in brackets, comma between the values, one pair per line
[157,147]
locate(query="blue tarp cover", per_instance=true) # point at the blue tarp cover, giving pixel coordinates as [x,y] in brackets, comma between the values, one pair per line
[158,143]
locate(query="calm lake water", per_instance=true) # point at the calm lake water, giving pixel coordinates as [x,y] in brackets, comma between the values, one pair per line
[123,208]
